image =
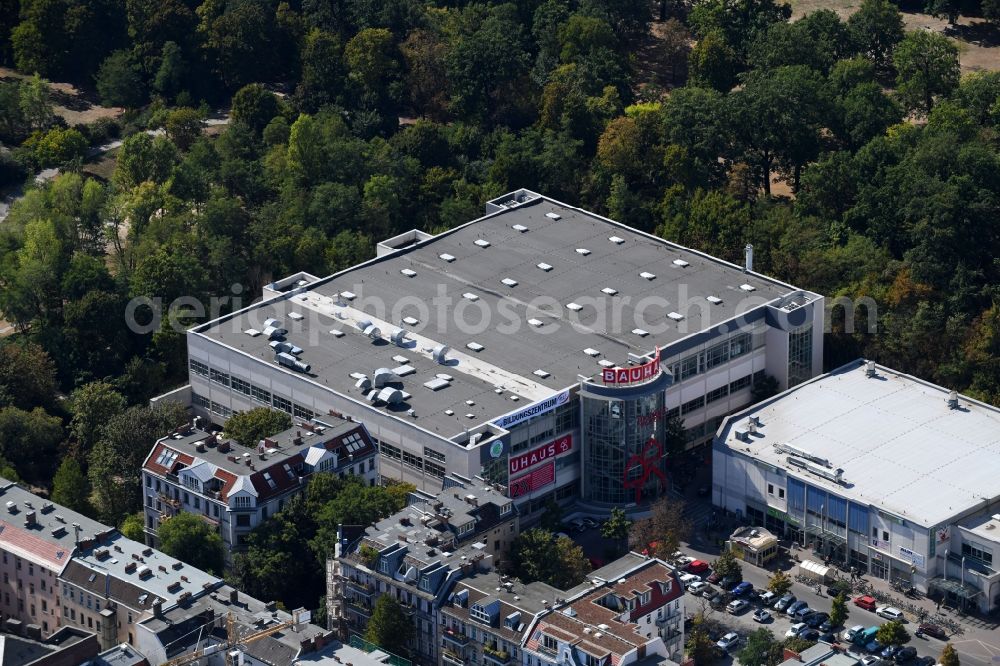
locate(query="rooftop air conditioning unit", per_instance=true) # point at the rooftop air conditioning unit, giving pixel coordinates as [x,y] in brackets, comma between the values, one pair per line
[440,353]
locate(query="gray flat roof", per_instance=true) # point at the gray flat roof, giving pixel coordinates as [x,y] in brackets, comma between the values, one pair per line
[901,447]
[639,269]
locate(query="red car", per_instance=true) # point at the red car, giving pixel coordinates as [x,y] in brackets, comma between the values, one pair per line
[697,567]
[866,602]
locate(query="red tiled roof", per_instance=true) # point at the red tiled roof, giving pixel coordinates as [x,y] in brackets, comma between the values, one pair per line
[23,543]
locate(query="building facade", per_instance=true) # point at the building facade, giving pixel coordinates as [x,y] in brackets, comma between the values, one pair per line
[540,348]
[417,554]
[877,470]
[234,488]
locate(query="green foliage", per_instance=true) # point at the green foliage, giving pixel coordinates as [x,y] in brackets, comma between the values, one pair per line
[119,82]
[892,633]
[797,645]
[389,627]
[552,517]
[70,487]
[92,406]
[183,127]
[251,426]
[27,376]
[30,440]
[779,583]
[926,67]
[949,9]
[699,645]
[949,656]
[727,565]
[877,27]
[661,533]
[713,63]
[132,527]
[254,106]
[537,554]
[192,541]
[761,649]
[839,610]
[617,527]
[56,147]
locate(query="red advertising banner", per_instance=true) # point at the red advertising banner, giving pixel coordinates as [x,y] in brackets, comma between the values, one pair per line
[533,480]
[522,461]
[635,373]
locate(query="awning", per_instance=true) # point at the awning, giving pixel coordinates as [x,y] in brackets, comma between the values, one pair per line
[956,587]
[814,570]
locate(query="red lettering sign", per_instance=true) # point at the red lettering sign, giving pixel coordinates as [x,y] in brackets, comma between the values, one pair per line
[533,480]
[523,461]
[635,373]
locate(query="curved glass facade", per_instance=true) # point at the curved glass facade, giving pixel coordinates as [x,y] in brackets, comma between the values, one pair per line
[621,464]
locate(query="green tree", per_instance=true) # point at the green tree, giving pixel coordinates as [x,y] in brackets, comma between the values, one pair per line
[949,9]
[552,516]
[323,71]
[389,627]
[867,112]
[57,147]
[27,376]
[115,463]
[251,426]
[838,610]
[700,646]
[537,554]
[662,532]
[797,645]
[254,106]
[144,158]
[70,487]
[93,405]
[892,633]
[34,102]
[192,541]
[727,565]
[119,82]
[761,649]
[927,67]
[779,583]
[877,27]
[30,439]
[617,528]
[949,656]
[991,10]
[713,63]
[132,527]
[169,79]
[850,73]
[183,127]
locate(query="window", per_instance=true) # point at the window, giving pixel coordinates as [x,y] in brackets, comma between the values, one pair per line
[192,483]
[885,535]
[241,386]
[692,405]
[383,565]
[243,520]
[716,356]
[282,404]
[220,409]
[260,395]
[739,384]
[199,368]
[781,493]
[433,455]
[301,412]
[549,643]
[242,502]
[717,394]
[739,345]
[199,400]
[770,489]
[219,377]
[431,468]
[799,355]
[977,551]
[390,451]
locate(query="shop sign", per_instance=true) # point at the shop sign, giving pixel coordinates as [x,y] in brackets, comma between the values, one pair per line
[943,534]
[635,373]
[523,461]
[878,543]
[910,556]
[541,407]
[775,513]
[533,480]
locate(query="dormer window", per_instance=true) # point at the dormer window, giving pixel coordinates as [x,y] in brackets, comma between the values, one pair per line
[383,565]
[425,583]
[192,483]
[506,508]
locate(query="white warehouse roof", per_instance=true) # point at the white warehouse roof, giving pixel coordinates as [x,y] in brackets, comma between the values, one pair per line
[901,447]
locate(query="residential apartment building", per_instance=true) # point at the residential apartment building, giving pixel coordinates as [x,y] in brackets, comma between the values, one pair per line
[541,348]
[628,612]
[416,555]
[37,541]
[876,470]
[486,617]
[234,488]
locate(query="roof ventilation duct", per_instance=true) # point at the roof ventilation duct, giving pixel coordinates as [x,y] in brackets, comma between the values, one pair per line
[440,354]
[398,337]
[382,377]
[290,361]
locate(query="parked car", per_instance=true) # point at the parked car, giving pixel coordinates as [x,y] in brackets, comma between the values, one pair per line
[560,535]
[866,602]
[925,661]
[817,619]
[827,626]
[874,646]
[729,641]
[869,660]
[762,615]
[836,587]
[809,634]
[889,651]
[729,582]
[576,525]
[802,613]
[890,613]
[906,654]
[784,602]
[737,606]
[681,560]
[742,589]
[698,587]
[828,638]
[767,598]
[687,579]
[852,633]
[794,630]
[933,630]
[697,567]
[717,601]
[590,523]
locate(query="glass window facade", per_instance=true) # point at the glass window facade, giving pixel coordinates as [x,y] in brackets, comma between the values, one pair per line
[800,342]
[616,434]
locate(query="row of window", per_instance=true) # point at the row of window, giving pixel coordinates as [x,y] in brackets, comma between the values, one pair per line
[412,460]
[739,345]
[255,393]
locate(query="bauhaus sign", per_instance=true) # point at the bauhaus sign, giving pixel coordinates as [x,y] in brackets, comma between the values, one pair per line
[533,480]
[523,461]
[635,373]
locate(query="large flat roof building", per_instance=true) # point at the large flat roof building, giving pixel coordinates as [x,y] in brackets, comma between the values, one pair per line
[892,474]
[520,347]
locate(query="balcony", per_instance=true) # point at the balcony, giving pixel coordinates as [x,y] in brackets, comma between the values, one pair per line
[454,637]
[359,607]
[361,587]
[452,659]
[495,656]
